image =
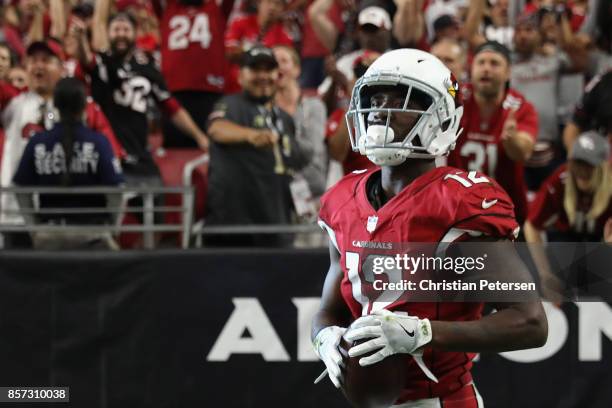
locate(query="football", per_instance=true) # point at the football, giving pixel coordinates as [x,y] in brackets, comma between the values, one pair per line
[375,386]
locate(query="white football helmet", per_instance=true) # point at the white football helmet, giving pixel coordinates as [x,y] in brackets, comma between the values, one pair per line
[425,79]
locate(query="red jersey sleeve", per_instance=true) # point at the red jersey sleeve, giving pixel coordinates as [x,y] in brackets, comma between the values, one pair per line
[548,204]
[527,119]
[482,206]
[170,106]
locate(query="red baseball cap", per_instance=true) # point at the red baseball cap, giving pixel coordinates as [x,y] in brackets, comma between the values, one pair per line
[48,45]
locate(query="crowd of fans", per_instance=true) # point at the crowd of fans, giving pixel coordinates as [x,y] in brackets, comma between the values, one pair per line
[264,84]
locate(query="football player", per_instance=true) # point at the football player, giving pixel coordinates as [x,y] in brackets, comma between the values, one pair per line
[406,111]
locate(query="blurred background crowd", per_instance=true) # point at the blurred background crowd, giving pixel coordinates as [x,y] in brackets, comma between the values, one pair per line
[263,86]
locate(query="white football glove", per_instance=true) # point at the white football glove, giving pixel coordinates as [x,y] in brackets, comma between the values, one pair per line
[389,333]
[326,347]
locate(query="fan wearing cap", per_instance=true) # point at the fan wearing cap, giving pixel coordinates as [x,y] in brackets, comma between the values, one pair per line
[373,34]
[264,27]
[574,203]
[252,155]
[499,126]
[34,111]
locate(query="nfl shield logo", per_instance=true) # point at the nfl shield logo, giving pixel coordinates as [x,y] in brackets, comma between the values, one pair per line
[372,221]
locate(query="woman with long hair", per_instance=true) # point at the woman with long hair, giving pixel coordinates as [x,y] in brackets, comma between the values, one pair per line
[573,205]
[69,155]
[575,202]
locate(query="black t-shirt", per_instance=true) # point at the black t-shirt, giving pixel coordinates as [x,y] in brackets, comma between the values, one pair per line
[123,89]
[244,186]
[594,112]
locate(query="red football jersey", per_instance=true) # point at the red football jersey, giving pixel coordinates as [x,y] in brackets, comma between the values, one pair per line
[192,52]
[353,161]
[244,32]
[480,146]
[548,210]
[442,205]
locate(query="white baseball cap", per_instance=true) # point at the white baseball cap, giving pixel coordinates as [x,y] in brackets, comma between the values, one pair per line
[376,16]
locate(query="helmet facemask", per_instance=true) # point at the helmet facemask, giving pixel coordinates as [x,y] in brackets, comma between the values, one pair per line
[432,133]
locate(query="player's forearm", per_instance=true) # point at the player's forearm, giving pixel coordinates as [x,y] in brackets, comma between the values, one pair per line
[519,147]
[224,131]
[538,255]
[514,328]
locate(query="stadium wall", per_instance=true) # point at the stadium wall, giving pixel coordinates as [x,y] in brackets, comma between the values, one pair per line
[230,328]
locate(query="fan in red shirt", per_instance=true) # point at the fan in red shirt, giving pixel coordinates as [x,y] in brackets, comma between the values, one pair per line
[192,58]
[373,214]
[575,203]
[264,28]
[499,126]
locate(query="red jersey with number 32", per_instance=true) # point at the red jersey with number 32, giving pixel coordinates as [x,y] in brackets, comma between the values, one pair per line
[192,51]
[442,205]
[480,145]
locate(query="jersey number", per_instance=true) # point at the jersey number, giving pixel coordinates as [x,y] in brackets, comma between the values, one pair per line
[472,179]
[481,153]
[133,94]
[184,32]
[384,297]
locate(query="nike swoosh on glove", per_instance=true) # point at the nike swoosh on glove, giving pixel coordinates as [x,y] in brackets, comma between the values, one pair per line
[326,347]
[389,333]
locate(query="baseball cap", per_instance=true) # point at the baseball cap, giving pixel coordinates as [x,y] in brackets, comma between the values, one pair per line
[591,147]
[258,56]
[493,46]
[48,45]
[376,16]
